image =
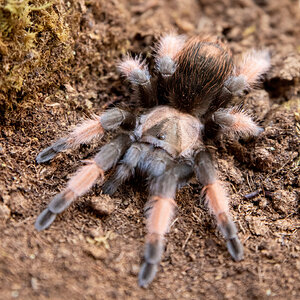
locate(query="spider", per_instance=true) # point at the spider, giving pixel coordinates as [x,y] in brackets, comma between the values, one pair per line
[186,103]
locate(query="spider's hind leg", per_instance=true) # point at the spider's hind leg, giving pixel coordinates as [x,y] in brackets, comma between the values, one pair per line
[167,49]
[84,179]
[165,63]
[248,73]
[253,65]
[136,71]
[231,121]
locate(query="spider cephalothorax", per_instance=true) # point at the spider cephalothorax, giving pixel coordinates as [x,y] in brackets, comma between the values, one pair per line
[186,103]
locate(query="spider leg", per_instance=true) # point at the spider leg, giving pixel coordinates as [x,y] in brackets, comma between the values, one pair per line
[167,49]
[89,129]
[165,59]
[159,211]
[253,65]
[148,160]
[231,121]
[125,169]
[136,71]
[218,202]
[84,179]
[249,71]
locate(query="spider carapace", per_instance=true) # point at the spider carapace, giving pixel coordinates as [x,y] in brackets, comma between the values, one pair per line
[186,102]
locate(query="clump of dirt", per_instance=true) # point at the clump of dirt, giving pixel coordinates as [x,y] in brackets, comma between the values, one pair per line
[58,61]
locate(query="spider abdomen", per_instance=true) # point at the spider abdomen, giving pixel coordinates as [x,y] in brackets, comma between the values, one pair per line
[203,65]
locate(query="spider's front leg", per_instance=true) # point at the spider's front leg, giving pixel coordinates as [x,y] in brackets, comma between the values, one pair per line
[89,129]
[218,202]
[84,179]
[159,211]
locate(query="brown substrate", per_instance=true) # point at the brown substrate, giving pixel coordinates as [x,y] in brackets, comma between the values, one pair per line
[93,250]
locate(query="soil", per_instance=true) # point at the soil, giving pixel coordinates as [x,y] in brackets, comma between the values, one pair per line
[94,249]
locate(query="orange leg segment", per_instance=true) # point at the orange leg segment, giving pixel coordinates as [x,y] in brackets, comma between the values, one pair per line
[217,202]
[84,179]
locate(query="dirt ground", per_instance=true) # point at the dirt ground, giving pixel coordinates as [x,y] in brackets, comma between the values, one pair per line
[94,249]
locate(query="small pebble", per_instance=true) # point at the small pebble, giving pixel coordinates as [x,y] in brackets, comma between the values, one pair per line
[102,205]
[15,294]
[34,283]
[96,252]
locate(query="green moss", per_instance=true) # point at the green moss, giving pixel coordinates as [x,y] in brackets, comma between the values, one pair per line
[35,43]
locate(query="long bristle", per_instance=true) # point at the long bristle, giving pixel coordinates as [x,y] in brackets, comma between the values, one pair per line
[160,214]
[169,45]
[216,198]
[129,64]
[254,64]
[242,123]
[84,179]
[86,131]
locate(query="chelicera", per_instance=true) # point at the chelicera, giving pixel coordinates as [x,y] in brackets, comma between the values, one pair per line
[186,102]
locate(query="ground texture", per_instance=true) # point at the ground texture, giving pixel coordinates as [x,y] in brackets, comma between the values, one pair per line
[93,251]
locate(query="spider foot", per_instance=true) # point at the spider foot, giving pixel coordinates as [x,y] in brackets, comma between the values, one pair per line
[58,204]
[229,231]
[153,253]
[109,188]
[168,47]
[50,152]
[147,274]
[61,201]
[235,248]
[44,220]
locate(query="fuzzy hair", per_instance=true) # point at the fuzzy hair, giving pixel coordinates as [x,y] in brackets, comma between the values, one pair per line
[253,65]
[216,198]
[128,64]
[169,45]
[241,123]
[86,131]
[84,179]
[159,212]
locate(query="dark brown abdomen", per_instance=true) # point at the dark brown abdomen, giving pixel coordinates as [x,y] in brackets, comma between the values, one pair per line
[203,66]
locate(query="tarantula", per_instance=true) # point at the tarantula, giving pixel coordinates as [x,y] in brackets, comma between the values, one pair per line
[186,104]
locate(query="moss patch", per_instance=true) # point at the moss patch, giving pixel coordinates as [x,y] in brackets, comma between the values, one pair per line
[35,43]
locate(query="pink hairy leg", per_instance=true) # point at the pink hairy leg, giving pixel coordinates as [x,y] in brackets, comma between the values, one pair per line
[234,121]
[159,211]
[88,130]
[166,51]
[217,202]
[84,179]
[253,65]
